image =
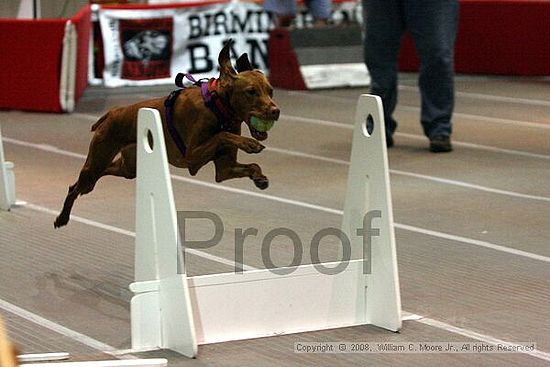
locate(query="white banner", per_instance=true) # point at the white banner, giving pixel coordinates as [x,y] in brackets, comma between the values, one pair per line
[150,46]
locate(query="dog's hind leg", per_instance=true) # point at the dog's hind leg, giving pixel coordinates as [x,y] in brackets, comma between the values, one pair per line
[101,154]
[125,164]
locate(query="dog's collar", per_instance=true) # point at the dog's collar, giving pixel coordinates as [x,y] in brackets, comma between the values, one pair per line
[221,108]
[209,91]
[216,104]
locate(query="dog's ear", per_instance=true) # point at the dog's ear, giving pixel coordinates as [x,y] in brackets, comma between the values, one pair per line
[243,64]
[227,73]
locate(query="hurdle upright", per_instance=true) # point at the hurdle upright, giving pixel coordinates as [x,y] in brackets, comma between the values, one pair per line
[172,311]
[7,180]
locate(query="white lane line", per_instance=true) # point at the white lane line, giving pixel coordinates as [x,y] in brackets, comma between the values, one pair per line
[489,97]
[85,116]
[43,147]
[345,126]
[257,194]
[322,209]
[78,219]
[496,120]
[319,122]
[59,329]
[501,121]
[480,96]
[417,175]
[74,335]
[407,316]
[481,147]
[52,149]
[125,232]
[470,186]
[473,242]
[307,155]
[488,148]
[478,336]
[302,204]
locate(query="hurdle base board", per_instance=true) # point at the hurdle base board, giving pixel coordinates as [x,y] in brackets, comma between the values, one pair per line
[43,357]
[335,75]
[303,300]
[260,303]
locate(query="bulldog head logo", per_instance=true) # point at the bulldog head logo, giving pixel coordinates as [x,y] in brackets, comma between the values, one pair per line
[146,46]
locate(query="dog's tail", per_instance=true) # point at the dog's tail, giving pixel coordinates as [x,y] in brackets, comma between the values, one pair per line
[99,122]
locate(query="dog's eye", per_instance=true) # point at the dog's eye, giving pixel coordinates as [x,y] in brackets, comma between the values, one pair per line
[252,92]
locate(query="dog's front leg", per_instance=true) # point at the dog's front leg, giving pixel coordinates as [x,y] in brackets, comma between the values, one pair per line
[227,167]
[229,140]
[204,153]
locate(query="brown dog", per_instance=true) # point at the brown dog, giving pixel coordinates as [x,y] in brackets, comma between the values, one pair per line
[203,137]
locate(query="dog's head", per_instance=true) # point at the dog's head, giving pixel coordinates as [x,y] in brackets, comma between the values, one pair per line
[247,91]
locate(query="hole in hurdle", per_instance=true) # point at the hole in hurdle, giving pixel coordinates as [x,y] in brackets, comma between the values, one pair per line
[368,126]
[148,144]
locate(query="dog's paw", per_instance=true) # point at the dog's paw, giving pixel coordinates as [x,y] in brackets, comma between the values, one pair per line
[60,221]
[261,182]
[252,146]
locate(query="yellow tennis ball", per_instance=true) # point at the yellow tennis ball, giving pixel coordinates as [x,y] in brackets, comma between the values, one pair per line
[261,125]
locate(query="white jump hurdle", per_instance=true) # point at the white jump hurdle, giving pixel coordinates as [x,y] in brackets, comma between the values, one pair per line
[172,311]
[7,180]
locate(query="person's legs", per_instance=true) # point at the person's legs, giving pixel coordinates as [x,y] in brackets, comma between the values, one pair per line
[284,11]
[433,25]
[384,27]
[321,11]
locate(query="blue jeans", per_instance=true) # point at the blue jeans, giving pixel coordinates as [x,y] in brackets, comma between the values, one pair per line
[433,26]
[319,9]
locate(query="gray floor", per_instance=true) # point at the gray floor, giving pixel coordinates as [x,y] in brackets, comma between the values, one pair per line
[472,226]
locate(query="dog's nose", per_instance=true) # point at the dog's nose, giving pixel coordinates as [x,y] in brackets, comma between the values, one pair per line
[275,112]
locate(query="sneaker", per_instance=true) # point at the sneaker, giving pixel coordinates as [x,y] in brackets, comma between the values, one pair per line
[440,144]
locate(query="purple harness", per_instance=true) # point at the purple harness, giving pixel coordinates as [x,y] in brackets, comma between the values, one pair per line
[211,99]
